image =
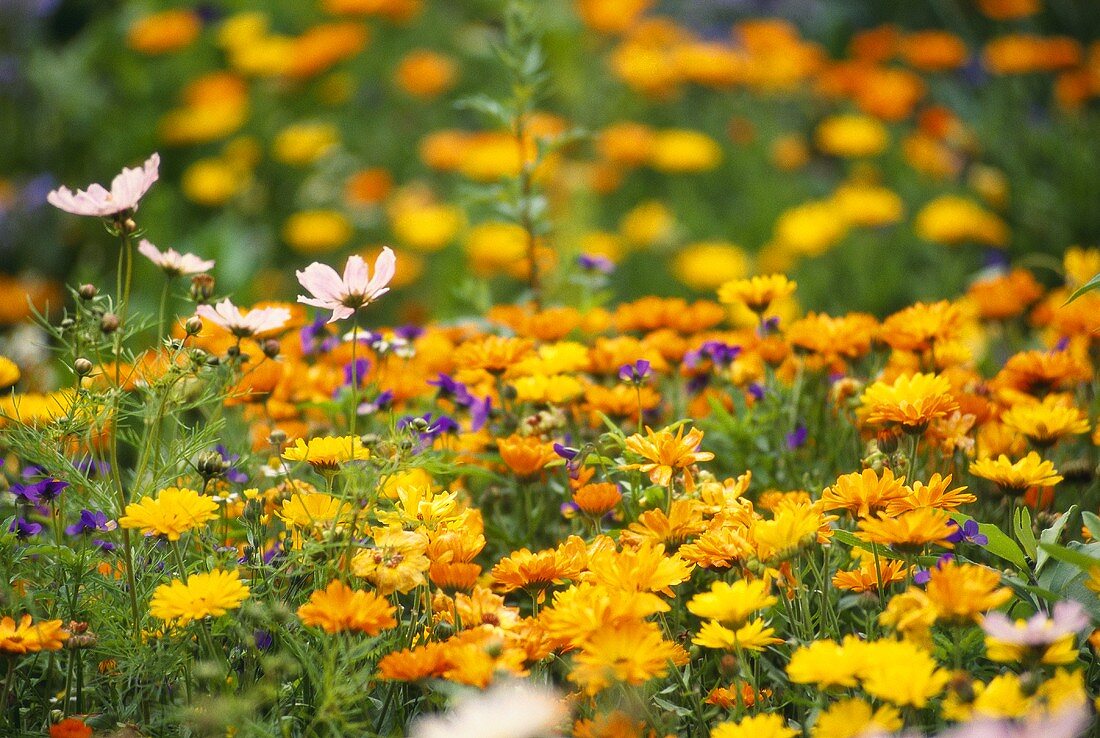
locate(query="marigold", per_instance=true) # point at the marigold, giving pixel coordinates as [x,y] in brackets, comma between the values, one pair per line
[863,493]
[936,493]
[1015,477]
[827,664]
[962,592]
[902,673]
[174,512]
[1045,423]
[202,595]
[732,604]
[328,453]
[27,636]
[757,293]
[597,499]
[631,653]
[525,455]
[911,402]
[396,563]
[754,635]
[869,576]
[666,453]
[338,608]
[767,725]
[854,717]
[909,531]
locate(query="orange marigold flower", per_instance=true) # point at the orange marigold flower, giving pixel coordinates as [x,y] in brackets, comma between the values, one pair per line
[454,576]
[1015,477]
[962,592]
[630,653]
[1040,372]
[597,499]
[70,727]
[413,665]
[756,293]
[524,569]
[338,608]
[525,455]
[911,402]
[493,354]
[911,531]
[867,578]
[683,521]
[935,493]
[666,453]
[921,326]
[863,493]
[645,568]
[27,636]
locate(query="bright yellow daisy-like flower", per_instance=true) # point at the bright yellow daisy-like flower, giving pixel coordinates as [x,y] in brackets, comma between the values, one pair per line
[754,635]
[902,673]
[961,592]
[756,293]
[732,604]
[174,512]
[1015,477]
[863,493]
[1045,423]
[792,528]
[327,453]
[338,608]
[202,595]
[27,636]
[314,511]
[911,531]
[869,577]
[854,717]
[666,453]
[767,725]
[396,563]
[911,402]
[827,663]
[935,493]
[631,653]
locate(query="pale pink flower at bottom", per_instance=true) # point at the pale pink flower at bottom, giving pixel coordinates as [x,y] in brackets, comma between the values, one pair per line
[1069,722]
[127,189]
[173,262]
[357,288]
[240,324]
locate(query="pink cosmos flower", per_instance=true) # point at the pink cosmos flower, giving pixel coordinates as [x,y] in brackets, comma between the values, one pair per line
[1068,617]
[1068,722]
[126,190]
[173,262]
[243,325]
[356,289]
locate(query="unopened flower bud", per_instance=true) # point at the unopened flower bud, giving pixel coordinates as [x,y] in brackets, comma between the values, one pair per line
[277,437]
[887,441]
[87,291]
[210,464]
[109,323]
[193,325]
[271,348]
[82,367]
[129,225]
[202,288]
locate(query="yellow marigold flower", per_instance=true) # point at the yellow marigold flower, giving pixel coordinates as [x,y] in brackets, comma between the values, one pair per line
[1044,423]
[425,226]
[314,511]
[597,499]
[851,136]
[27,636]
[921,326]
[732,604]
[854,717]
[902,673]
[911,531]
[630,653]
[645,568]
[707,265]
[682,151]
[211,182]
[1015,477]
[666,453]
[961,592]
[536,571]
[648,224]
[555,389]
[174,512]
[683,520]
[202,595]
[912,614]
[418,506]
[911,402]
[868,205]
[863,493]
[827,664]
[936,493]
[1064,688]
[952,220]
[493,354]
[767,725]
[754,635]
[792,528]
[811,229]
[338,608]
[161,33]
[525,455]
[1002,697]
[316,231]
[304,143]
[586,608]
[396,562]
[327,453]
[31,408]
[9,372]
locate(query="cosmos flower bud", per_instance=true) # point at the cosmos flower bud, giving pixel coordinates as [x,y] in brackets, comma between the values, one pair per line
[109,323]
[87,291]
[193,325]
[271,348]
[277,437]
[202,288]
[82,367]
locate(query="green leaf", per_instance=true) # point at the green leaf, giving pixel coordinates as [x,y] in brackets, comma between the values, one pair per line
[1069,555]
[1021,523]
[1051,534]
[1092,522]
[1000,545]
[1089,286]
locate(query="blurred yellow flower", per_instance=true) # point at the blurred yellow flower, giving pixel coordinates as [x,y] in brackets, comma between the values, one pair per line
[851,136]
[211,182]
[681,151]
[706,265]
[313,231]
[304,143]
[161,33]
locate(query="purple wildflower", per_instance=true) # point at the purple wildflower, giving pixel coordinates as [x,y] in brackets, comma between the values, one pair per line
[635,372]
[91,521]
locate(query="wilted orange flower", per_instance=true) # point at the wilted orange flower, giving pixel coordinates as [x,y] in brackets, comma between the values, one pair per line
[525,455]
[1014,478]
[911,402]
[863,493]
[666,453]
